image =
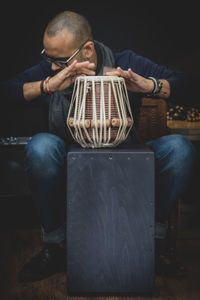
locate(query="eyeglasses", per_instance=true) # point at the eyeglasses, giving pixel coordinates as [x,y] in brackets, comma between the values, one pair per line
[61,62]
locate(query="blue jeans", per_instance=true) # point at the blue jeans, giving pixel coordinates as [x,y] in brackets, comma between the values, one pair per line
[45,166]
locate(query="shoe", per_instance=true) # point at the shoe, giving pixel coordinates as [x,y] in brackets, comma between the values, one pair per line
[50,260]
[165,266]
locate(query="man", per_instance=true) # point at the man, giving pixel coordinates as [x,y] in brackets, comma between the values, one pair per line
[69,51]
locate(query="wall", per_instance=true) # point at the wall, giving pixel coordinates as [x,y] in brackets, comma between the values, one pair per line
[165,32]
[162,31]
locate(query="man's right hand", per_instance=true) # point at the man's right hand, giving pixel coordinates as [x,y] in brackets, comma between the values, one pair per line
[67,76]
[61,80]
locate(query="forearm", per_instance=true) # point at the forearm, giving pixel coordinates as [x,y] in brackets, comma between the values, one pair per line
[24,86]
[31,90]
[164,92]
[61,81]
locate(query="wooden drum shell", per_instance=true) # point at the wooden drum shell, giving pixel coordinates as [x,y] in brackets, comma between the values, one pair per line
[99,114]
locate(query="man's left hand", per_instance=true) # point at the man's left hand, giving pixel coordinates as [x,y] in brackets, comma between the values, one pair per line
[134,82]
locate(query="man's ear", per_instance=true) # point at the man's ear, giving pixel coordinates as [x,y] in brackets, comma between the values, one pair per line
[88,49]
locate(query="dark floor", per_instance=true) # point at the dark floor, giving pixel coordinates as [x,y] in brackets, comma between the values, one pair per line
[20,240]
[18,245]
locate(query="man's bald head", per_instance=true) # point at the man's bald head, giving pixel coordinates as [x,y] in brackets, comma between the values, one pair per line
[74,23]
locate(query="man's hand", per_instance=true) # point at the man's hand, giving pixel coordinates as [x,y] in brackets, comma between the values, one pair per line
[67,76]
[61,80]
[134,82]
[138,84]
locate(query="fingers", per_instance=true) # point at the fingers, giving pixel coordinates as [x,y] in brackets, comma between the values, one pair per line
[107,69]
[77,68]
[134,76]
[129,74]
[68,71]
[113,72]
[86,64]
[123,73]
[87,70]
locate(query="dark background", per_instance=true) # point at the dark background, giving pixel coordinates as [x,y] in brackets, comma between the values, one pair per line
[166,32]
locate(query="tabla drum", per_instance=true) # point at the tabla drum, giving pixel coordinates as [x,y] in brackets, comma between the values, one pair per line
[100,113]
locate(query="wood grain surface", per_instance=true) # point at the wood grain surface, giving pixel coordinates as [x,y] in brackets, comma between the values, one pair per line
[19,245]
[110,221]
[190,129]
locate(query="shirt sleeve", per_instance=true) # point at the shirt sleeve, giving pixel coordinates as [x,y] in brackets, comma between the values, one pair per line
[179,81]
[12,90]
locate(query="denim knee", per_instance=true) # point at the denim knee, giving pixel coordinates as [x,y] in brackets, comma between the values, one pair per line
[44,151]
[174,151]
[175,160]
[182,153]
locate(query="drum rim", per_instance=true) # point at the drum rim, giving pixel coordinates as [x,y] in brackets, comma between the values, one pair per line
[100,78]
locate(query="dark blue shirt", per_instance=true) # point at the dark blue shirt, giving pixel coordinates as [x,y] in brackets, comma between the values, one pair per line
[12,90]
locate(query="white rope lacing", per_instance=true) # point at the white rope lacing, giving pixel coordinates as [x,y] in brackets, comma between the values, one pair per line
[109,119]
